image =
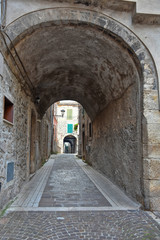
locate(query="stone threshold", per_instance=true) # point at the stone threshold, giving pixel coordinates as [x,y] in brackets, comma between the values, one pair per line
[68,209]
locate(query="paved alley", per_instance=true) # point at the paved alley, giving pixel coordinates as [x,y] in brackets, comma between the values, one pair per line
[69,186]
[67,199]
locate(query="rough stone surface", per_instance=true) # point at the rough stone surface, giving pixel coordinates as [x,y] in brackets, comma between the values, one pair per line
[15,138]
[13,142]
[94,78]
[152,169]
[111,225]
[115,148]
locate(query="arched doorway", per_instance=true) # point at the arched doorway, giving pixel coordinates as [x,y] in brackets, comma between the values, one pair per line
[103,65]
[70,144]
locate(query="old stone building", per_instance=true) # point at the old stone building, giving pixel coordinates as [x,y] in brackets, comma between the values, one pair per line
[104,55]
[67,117]
[25,139]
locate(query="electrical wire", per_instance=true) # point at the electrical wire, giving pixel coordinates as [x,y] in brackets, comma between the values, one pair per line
[17,55]
[2,19]
[8,49]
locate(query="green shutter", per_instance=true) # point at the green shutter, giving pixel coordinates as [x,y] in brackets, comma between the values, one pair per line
[70,128]
[69,114]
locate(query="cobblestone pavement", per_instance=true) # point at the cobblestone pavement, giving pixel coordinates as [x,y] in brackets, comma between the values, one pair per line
[69,186]
[109,225]
[157,214]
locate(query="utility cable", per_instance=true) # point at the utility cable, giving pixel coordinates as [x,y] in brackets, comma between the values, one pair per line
[17,55]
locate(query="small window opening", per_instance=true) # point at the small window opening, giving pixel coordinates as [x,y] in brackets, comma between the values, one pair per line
[0,186]
[90,129]
[8,110]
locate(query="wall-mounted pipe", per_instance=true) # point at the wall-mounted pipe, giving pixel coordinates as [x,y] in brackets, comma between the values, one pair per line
[3,4]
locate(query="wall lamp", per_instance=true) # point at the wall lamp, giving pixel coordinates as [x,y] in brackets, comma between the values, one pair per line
[62,113]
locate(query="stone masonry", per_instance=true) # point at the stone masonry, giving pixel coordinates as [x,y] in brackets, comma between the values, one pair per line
[15,137]
[103,54]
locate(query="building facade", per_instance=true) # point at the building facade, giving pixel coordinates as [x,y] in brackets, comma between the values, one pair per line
[67,112]
[25,139]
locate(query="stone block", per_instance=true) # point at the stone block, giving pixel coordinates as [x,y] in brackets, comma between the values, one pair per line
[153,133]
[150,99]
[152,169]
[152,116]
[154,203]
[151,151]
[152,188]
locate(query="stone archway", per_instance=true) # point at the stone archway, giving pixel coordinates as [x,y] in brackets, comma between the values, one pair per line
[112,70]
[73,143]
[31,24]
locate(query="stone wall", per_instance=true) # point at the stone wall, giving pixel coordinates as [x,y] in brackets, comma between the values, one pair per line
[15,138]
[116,144]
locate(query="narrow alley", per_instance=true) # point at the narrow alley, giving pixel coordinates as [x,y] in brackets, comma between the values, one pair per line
[68,199]
[79,119]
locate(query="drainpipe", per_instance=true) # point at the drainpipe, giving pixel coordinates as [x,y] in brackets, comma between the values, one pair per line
[3,4]
[52,134]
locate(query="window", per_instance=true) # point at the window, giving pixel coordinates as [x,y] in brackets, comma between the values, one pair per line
[8,110]
[0,186]
[70,128]
[69,114]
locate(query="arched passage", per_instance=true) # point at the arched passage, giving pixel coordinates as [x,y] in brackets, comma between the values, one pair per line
[89,57]
[92,47]
[72,142]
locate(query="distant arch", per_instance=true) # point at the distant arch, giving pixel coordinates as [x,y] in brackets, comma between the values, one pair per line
[70,144]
